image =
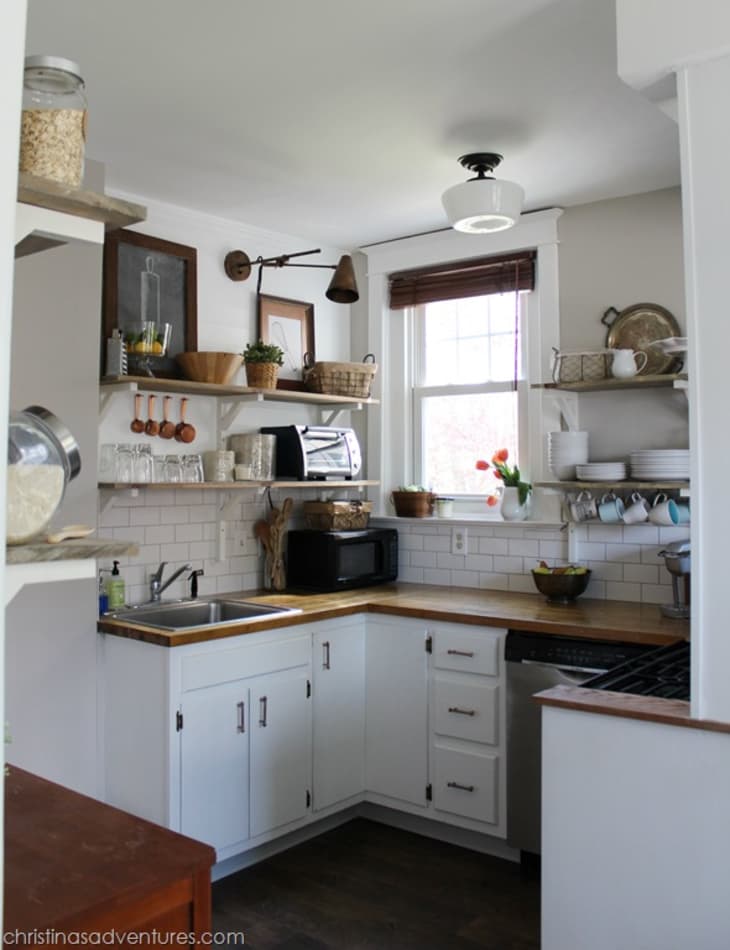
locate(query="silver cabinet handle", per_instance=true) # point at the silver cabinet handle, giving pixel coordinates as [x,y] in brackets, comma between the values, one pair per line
[459,653]
[462,712]
[463,788]
[241,717]
[262,710]
[326,655]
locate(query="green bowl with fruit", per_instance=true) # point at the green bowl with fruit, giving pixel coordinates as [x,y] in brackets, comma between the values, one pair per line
[561,584]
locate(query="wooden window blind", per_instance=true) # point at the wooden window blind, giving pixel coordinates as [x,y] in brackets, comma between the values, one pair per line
[473,278]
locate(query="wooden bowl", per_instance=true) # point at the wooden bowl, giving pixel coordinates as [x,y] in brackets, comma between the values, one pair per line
[210,367]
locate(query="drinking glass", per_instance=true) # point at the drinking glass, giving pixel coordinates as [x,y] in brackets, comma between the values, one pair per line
[159,468]
[173,468]
[192,468]
[123,463]
[107,462]
[142,464]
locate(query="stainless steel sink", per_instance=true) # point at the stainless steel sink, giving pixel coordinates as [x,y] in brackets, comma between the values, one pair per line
[199,613]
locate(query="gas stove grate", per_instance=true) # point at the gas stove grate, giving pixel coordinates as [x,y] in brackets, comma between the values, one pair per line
[663,672]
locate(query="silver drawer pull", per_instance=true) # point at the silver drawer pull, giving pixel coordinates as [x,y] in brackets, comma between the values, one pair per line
[463,788]
[262,710]
[459,653]
[462,712]
[326,655]
[241,717]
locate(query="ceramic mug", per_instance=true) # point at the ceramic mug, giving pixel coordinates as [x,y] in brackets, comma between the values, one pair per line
[664,511]
[584,507]
[637,511]
[683,511]
[610,508]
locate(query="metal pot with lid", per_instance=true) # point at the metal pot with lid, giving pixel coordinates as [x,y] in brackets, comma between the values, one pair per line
[43,457]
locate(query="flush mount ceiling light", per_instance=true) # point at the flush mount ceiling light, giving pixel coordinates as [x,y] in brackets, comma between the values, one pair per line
[342,288]
[483,203]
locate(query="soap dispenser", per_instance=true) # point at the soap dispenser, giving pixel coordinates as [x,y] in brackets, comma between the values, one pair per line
[115,590]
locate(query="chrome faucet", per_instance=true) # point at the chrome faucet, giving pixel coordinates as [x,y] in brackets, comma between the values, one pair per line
[156,585]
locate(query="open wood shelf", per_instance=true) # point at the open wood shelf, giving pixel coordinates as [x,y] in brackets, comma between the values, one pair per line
[113,212]
[188,387]
[626,485]
[235,486]
[599,385]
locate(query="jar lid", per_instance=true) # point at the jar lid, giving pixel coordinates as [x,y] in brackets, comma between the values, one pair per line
[54,62]
[59,431]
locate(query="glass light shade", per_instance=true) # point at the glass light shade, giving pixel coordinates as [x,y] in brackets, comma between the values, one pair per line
[483,204]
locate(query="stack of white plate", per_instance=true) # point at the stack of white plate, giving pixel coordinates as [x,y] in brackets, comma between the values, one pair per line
[565,451]
[601,472]
[660,464]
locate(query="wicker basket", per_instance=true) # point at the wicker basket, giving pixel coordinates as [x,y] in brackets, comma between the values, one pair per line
[337,515]
[341,379]
[413,504]
[581,367]
[262,375]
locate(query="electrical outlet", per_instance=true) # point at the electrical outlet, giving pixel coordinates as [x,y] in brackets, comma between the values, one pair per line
[459,540]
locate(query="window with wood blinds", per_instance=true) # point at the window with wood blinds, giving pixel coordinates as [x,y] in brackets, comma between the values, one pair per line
[504,273]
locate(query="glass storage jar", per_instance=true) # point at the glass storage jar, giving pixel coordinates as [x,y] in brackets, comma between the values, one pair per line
[43,457]
[53,128]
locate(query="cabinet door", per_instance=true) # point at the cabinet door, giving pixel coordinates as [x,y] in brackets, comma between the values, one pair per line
[339,714]
[396,758]
[214,764]
[281,749]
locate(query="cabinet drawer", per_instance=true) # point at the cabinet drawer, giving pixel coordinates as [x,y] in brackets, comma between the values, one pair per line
[465,710]
[222,666]
[465,783]
[467,651]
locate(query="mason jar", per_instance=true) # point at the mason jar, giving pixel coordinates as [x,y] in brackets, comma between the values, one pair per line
[53,128]
[43,457]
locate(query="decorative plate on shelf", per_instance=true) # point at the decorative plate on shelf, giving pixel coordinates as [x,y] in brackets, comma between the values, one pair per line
[637,328]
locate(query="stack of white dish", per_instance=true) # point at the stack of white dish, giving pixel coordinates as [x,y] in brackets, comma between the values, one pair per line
[601,472]
[660,464]
[565,451]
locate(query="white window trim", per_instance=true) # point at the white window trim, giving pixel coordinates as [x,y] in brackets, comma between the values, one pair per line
[389,430]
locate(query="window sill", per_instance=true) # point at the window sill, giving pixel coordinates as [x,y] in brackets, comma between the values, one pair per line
[468,519]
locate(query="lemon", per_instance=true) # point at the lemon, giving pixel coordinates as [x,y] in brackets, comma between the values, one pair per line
[157,347]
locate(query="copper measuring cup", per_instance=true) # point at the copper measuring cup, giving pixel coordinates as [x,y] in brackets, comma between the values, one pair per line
[184,432]
[137,423]
[152,427]
[167,429]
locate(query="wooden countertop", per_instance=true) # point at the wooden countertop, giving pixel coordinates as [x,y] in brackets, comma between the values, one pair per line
[672,712]
[75,864]
[593,619]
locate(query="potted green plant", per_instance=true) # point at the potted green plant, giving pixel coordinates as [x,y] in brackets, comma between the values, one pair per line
[262,362]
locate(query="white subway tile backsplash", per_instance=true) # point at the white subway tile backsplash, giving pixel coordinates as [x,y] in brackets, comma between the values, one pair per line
[520,546]
[553,550]
[656,594]
[187,532]
[641,534]
[455,562]
[410,542]
[465,578]
[423,558]
[201,550]
[494,581]
[115,517]
[201,513]
[522,583]
[493,545]
[507,565]
[592,551]
[484,563]
[158,497]
[628,553]
[175,552]
[432,576]
[411,575]
[174,514]
[620,590]
[641,573]
[606,571]
[144,516]
[432,542]
[604,532]
[159,534]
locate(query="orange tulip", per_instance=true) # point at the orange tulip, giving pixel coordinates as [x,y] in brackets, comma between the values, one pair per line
[482,465]
[492,500]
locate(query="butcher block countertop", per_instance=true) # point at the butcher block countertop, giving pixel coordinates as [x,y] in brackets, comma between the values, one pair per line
[595,619]
[76,866]
[672,712]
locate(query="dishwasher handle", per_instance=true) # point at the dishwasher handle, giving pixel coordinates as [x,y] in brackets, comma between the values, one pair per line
[562,668]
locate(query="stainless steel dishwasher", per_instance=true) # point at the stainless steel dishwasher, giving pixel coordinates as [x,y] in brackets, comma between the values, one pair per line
[537,661]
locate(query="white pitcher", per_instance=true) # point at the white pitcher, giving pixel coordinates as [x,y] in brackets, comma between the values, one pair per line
[624,363]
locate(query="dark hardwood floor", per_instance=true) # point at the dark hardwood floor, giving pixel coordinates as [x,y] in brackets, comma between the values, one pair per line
[365,886]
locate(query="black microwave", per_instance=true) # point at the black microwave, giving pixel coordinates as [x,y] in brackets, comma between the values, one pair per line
[339,560]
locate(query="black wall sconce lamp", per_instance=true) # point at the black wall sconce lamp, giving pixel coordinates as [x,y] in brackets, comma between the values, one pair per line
[342,287]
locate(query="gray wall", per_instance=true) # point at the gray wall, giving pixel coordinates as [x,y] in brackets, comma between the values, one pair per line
[51,639]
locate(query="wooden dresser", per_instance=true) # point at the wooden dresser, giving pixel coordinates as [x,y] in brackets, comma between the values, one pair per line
[76,865]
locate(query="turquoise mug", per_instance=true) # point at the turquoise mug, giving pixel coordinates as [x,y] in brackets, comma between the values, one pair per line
[664,511]
[610,509]
[683,512]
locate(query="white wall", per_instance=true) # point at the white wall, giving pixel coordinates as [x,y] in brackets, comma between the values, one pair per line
[635,834]
[12,39]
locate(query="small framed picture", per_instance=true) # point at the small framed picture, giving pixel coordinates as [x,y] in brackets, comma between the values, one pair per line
[288,324]
[150,281]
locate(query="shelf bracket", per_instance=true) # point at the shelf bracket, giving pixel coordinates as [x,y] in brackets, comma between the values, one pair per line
[229,409]
[329,418]
[105,396]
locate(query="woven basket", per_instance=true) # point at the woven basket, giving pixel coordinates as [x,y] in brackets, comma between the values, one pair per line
[262,375]
[337,515]
[581,367]
[341,379]
[413,504]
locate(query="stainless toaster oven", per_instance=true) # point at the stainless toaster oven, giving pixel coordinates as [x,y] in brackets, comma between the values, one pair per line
[315,452]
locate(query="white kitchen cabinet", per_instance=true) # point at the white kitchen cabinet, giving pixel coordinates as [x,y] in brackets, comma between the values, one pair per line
[280,750]
[396,724]
[338,668]
[214,764]
[467,726]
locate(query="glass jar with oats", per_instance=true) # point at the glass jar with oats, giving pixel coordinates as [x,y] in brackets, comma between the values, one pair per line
[43,457]
[53,131]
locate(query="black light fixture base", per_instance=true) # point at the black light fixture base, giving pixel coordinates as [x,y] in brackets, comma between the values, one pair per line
[237,265]
[481,162]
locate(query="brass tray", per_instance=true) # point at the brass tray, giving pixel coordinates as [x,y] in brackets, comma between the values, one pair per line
[636,327]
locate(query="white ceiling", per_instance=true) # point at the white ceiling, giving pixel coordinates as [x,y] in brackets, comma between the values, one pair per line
[342,121]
